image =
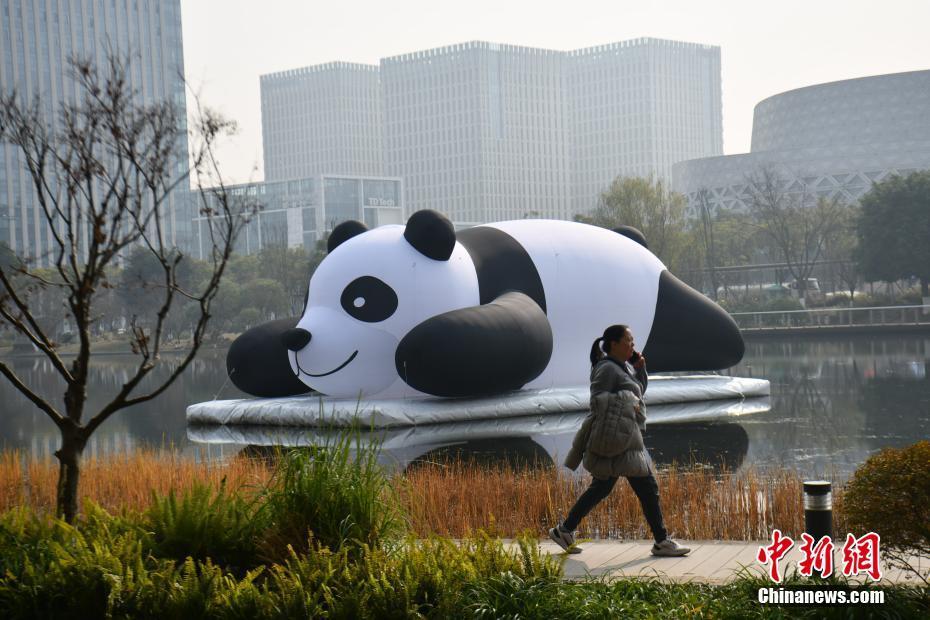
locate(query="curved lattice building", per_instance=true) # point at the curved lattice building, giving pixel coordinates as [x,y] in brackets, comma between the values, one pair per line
[832,139]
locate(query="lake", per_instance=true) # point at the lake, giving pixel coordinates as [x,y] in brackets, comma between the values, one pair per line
[834,402]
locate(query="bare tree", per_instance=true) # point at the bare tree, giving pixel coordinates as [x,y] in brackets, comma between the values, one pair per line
[796,224]
[705,233]
[103,174]
[841,247]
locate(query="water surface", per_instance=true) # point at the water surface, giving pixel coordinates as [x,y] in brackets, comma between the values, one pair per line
[834,402]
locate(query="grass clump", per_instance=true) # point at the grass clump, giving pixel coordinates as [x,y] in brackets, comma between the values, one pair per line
[513,596]
[336,494]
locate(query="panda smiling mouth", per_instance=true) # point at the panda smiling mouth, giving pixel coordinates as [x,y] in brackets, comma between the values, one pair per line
[337,369]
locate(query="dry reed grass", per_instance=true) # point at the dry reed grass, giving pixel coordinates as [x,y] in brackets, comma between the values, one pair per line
[459,498]
[454,499]
[121,482]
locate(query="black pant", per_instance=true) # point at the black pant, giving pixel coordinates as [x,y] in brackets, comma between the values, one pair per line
[646,489]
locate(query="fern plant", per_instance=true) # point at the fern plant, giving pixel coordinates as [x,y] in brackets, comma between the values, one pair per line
[202,523]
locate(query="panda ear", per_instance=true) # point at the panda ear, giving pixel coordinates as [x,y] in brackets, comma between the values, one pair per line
[632,233]
[343,232]
[431,233]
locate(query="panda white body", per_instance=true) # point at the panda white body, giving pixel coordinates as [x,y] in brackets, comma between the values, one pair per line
[591,277]
[420,310]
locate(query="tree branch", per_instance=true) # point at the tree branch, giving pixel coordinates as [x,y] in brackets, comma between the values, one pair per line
[37,400]
[34,332]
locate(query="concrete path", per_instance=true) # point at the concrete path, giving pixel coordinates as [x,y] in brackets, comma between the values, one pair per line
[709,561]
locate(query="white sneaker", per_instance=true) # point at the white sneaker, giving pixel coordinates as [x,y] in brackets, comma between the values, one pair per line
[564,539]
[669,548]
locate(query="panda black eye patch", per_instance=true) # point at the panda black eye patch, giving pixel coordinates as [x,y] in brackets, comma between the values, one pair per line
[369,299]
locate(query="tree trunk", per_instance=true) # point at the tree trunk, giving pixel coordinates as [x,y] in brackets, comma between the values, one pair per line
[69,472]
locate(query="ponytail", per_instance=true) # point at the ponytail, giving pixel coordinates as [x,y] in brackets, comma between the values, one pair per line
[596,352]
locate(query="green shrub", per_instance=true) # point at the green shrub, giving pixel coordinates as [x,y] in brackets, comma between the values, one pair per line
[839,300]
[754,302]
[203,523]
[907,297]
[52,569]
[336,493]
[99,568]
[890,494]
[429,578]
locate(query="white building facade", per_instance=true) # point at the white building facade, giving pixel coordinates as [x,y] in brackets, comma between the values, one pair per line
[478,131]
[37,37]
[321,120]
[830,140]
[637,108]
[485,132]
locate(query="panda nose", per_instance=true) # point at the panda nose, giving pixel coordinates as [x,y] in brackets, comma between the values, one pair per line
[296,338]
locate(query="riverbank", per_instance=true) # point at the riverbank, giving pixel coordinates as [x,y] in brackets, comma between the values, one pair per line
[825,331]
[835,320]
[456,499]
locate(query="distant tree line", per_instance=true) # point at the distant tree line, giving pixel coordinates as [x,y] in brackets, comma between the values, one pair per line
[257,288]
[884,238]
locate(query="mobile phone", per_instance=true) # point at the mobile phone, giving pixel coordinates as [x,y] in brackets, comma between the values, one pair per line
[635,357]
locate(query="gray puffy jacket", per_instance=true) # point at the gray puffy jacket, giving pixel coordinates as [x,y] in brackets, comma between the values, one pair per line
[610,440]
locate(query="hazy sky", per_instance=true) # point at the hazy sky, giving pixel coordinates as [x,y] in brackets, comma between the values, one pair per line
[766,47]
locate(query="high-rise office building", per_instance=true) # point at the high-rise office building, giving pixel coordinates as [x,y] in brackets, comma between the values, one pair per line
[478,131]
[637,107]
[37,39]
[485,132]
[320,120]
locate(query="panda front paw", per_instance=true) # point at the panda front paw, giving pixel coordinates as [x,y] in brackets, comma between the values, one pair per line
[257,361]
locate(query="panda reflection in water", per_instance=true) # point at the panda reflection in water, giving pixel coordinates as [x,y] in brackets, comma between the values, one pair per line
[420,310]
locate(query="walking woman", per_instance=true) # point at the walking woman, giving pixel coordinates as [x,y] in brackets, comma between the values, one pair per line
[610,441]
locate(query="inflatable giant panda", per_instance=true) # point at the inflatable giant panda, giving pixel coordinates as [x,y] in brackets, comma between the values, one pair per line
[418,310]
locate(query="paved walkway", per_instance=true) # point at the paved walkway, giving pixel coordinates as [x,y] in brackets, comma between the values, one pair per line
[709,561]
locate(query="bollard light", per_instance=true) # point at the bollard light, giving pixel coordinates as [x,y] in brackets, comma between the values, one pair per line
[818,509]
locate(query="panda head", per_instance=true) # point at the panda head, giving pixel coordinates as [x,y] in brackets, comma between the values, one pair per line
[371,289]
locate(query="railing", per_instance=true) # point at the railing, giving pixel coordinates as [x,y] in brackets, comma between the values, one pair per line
[834,317]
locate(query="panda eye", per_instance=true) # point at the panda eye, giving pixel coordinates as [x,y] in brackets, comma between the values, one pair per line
[369,299]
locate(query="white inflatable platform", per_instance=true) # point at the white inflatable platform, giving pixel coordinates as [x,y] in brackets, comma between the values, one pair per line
[315,411]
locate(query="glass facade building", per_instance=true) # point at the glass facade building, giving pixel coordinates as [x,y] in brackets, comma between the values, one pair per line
[485,132]
[37,37]
[299,212]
